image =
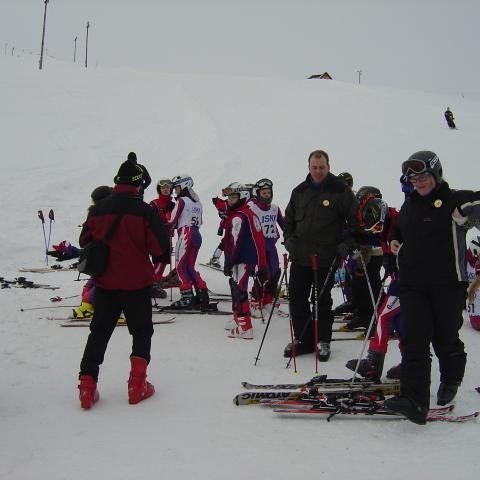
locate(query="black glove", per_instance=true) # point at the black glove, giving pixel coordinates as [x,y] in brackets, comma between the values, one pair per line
[389,263]
[343,251]
[263,275]
[227,270]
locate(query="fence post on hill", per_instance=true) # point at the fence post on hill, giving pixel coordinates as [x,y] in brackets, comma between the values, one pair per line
[43,34]
[86,46]
[75,49]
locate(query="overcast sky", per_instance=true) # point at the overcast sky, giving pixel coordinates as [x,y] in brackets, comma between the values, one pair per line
[421,44]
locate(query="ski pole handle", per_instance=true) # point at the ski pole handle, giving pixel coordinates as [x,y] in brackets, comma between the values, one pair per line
[40,216]
[285,261]
[51,215]
[314,262]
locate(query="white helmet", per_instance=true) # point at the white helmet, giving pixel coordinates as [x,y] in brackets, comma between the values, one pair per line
[182,181]
[237,188]
[474,247]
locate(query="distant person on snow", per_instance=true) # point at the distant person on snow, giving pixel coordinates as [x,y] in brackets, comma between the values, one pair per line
[449,118]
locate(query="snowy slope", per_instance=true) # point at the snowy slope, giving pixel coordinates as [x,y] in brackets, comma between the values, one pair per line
[65,131]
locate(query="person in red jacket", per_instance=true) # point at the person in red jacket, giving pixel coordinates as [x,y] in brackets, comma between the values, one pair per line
[163,205]
[125,284]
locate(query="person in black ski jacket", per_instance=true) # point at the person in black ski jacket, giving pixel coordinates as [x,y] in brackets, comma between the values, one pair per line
[429,241]
[146,179]
[319,211]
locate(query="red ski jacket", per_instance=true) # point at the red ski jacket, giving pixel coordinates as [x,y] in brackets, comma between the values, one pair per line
[139,234]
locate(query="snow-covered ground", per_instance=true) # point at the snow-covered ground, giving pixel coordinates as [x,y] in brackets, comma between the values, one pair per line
[64,131]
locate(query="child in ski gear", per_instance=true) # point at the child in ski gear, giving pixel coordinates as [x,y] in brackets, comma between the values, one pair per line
[449,118]
[125,284]
[319,211]
[473,272]
[221,206]
[244,250]
[163,205]
[270,216]
[432,292]
[186,218]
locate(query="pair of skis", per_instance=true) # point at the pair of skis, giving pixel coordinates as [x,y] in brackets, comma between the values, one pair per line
[22,282]
[85,322]
[324,397]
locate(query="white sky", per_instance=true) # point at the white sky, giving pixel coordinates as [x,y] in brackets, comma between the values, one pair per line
[421,44]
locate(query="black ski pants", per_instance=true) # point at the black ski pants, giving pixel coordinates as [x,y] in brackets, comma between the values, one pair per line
[300,292]
[432,315]
[109,305]
[361,297]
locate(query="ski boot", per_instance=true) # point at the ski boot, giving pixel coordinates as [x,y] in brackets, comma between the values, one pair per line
[138,387]
[85,310]
[185,302]
[371,367]
[88,391]
[243,329]
[446,393]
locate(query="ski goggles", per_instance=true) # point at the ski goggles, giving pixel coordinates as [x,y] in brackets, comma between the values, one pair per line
[165,183]
[264,183]
[414,167]
[228,191]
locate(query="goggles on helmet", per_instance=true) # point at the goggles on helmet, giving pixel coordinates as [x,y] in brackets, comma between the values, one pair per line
[414,167]
[227,191]
[264,183]
[165,183]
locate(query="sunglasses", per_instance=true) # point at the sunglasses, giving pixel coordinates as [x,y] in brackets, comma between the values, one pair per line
[419,178]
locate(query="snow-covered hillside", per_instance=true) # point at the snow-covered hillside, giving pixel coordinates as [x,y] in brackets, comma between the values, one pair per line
[64,131]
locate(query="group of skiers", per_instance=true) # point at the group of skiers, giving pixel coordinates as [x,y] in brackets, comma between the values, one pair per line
[326,225]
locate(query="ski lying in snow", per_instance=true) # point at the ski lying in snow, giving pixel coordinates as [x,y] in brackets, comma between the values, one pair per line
[212,267]
[53,268]
[120,323]
[22,282]
[317,381]
[368,412]
[255,397]
[211,310]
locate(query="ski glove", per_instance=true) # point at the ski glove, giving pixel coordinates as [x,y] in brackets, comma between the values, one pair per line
[389,263]
[343,251]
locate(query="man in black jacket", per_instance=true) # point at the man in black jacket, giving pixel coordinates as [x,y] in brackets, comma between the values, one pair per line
[429,240]
[319,212]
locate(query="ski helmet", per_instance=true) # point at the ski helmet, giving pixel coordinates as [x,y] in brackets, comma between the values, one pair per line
[239,189]
[347,178]
[100,193]
[183,181]
[374,214]
[368,190]
[262,183]
[424,161]
[474,247]
[164,182]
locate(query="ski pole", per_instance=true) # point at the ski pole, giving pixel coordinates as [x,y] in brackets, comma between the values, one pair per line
[314,263]
[42,218]
[51,216]
[277,294]
[59,299]
[290,321]
[44,308]
[370,326]
[324,286]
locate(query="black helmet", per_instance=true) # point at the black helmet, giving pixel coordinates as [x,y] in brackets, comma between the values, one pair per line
[424,161]
[368,190]
[262,183]
[347,178]
[373,214]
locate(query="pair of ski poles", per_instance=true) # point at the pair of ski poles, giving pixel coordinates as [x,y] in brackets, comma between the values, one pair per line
[51,217]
